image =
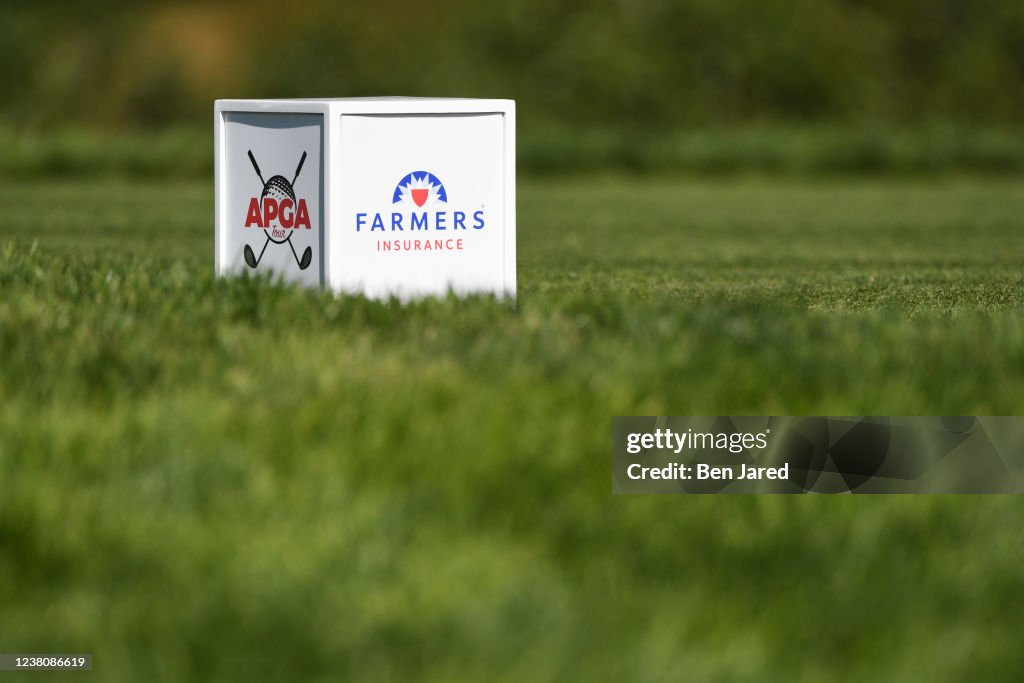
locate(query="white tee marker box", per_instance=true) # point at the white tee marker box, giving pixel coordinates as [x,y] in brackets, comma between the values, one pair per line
[385,197]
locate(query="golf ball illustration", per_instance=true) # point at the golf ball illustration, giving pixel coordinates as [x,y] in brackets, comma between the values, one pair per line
[277,188]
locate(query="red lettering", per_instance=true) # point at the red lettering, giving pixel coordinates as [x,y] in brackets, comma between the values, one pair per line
[269,210]
[302,215]
[254,217]
[287,215]
[420,245]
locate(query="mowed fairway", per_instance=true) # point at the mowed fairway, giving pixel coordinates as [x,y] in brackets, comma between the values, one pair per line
[240,481]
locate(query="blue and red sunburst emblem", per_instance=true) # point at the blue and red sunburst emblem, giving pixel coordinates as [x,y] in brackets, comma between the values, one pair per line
[419,188]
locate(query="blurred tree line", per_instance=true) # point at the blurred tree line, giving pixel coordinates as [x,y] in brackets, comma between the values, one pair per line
[650,64]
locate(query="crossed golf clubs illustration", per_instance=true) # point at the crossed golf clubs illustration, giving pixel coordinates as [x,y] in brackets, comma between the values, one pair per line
[280,186]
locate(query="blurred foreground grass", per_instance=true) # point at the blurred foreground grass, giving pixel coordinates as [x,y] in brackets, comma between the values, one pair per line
[236,480]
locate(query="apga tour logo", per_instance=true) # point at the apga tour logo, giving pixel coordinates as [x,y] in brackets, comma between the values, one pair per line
[419,188]
[278,213]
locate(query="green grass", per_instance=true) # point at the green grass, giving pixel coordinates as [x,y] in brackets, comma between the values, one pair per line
[778,149]
[236,480]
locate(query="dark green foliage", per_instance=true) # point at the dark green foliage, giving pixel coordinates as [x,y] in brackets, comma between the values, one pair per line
[651,64]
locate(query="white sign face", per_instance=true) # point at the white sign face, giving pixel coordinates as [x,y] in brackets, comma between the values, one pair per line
[420,204]
[273,213]
[384,196]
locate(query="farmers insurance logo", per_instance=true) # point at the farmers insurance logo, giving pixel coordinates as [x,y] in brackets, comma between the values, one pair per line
[421,217]
[278,213]
[419,188]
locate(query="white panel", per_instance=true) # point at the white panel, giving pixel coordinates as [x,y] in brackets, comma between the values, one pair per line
[274,181]
[378,245]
